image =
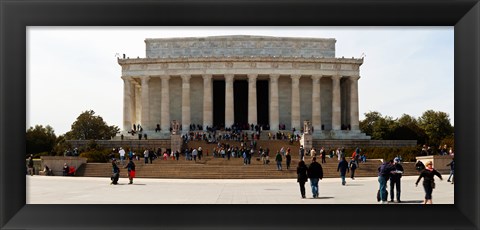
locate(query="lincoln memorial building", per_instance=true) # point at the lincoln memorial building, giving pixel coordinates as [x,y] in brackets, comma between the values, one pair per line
[225,81]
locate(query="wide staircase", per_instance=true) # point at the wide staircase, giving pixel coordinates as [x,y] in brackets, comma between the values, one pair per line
[221,168]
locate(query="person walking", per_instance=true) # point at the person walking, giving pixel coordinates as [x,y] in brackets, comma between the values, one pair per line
[302,177]
[288,159]
[343,168]
[131,170]
[301,153]
[384,171]
[353,166]
[323,154]
[428,181]
[122,155]
[145,155]
[278,159]
[452,168]
[194,154]
[116,172]
[30,165]
[395,179]
[315,173]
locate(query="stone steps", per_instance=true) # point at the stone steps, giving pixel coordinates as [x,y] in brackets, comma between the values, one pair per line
[223,169]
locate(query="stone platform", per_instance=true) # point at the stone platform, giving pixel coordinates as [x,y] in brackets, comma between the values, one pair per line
[88,190]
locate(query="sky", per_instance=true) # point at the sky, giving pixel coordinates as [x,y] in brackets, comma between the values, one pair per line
[406,70]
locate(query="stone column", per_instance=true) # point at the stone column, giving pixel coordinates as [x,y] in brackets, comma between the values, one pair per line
[336,109]
[185,102]
[127,104]
[274,114]
[229,112]
[252,99]
[316,104]
[207,101]
[145,104]
[296,102]
[354,119]
[165,115]
[136,103]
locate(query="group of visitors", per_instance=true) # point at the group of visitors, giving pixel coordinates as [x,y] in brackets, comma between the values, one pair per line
[313,172]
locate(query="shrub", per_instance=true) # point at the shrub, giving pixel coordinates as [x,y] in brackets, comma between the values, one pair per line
[38,155]
[99,156]
[408,154]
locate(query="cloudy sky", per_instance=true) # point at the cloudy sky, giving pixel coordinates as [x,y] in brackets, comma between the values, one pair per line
[73,69]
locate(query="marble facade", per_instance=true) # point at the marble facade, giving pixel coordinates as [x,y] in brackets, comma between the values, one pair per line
[305,82]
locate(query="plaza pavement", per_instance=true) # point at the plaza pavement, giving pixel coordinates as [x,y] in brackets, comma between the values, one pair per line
[97,190]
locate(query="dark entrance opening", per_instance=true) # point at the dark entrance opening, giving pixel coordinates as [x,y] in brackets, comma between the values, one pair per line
[262,103]
[219,104]
[240,102]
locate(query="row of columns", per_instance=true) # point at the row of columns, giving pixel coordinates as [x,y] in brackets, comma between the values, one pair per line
[129,104]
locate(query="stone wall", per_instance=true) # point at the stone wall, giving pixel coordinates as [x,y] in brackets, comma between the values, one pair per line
[439,162]
[243,46]
[55,163]
[135,144]
[363,143]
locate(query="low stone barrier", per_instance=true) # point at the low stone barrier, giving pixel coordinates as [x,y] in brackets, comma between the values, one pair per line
[125,144]
[55,163]
[364,143]
[439,162]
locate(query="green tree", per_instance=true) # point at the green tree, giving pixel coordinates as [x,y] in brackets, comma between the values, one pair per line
[436,125]
[88,126]
[377,126]
[406,128]
[40,139]
[61,146]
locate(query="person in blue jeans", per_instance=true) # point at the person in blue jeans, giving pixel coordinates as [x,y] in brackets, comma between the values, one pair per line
[278,159]
[452,169]
[315,173]
[343,168]
[383,175]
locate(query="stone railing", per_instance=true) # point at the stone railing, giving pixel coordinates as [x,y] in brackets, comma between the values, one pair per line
[439,162]
[55,163]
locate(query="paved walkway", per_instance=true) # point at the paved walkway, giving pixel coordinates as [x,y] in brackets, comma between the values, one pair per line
[94,190]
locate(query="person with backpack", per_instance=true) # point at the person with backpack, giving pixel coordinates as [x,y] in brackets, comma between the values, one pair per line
[131,170]
[343,168]
[384,172]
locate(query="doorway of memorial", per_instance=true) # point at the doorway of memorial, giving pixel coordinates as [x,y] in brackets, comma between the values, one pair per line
[262,104]
[219,104]
[240,103]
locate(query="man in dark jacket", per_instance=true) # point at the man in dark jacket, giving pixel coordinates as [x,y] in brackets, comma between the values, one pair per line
[315,173]
[395,179]
[116,172]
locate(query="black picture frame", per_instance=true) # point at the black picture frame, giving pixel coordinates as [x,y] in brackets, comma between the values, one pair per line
[17,15]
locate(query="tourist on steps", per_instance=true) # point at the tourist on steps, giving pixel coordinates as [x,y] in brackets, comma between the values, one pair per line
[288,159]
[278,159]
